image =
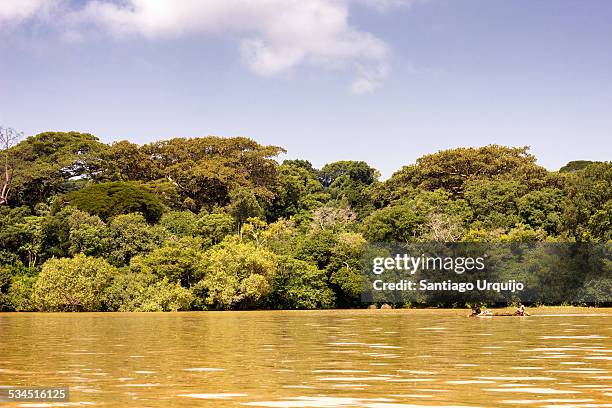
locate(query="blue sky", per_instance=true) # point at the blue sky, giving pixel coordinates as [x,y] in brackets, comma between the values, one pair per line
[384,81]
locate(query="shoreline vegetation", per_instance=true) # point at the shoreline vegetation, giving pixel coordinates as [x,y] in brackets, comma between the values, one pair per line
[535,311]
[217,223]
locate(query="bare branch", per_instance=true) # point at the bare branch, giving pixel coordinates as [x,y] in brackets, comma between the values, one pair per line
[9,137]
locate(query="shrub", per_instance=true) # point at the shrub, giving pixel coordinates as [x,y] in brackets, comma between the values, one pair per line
[300,285]
[72,284]
[237,275]
[143,292]
[19,295]
[177,261]
[596,292]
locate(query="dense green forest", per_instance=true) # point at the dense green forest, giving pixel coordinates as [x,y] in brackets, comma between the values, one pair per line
[219,223]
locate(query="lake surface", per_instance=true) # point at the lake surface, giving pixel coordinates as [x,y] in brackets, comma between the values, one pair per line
[358,358]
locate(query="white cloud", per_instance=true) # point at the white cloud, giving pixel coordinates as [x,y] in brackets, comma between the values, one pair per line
[384,5]
[370,78]
[274,36]
[15,11]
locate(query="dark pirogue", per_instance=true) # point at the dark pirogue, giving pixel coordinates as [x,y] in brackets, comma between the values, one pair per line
[500,315]
[477,312]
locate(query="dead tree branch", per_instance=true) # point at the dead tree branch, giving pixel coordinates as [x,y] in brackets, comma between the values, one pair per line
[8,138]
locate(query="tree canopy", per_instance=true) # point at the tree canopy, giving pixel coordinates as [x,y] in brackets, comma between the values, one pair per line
[218,223]
[110,199]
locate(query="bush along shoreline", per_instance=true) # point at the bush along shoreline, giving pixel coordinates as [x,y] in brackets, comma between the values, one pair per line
[219,224]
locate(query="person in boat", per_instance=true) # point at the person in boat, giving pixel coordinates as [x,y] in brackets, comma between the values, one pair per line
[476,310]
[521,310]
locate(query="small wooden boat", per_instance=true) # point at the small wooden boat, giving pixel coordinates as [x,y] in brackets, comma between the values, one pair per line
[500,315]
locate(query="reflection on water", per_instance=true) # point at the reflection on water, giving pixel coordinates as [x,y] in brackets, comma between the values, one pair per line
[363,358]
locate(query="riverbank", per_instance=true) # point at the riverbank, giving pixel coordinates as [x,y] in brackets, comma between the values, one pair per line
[535,311]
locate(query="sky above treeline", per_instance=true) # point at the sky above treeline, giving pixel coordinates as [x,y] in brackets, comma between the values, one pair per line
[384,81]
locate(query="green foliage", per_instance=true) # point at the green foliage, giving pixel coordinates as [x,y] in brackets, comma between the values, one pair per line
[316,247]
[88,234]
[599,227]
[522,233]
[130,235]
[348,182]
[542,209]
[297,189]
[56,231]
[32,244]
[237,275]
[15,285]
[588,203]
[5,283]
[206,169]
[495,201]
[125,161]
[334,218]
[345,267]
[279,236]
[176,261]
[13,235]
[145,292]
[596,292]
[450,169]
[19,295]
[357,171]
[302,164]
[243,205]
[107,200]
[575,165]
[72,284]
[215,223]
[396,223]
[430,215]
[52,163]
[300,285]
[16,288]
[180,223]
[215,226]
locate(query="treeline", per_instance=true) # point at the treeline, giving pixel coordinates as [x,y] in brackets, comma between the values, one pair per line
[218,223]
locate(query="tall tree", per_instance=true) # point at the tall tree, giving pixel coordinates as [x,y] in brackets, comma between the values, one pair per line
[109,199]
[576,165]
[243,205]
[52,163]
[205,169]
[450,169]
[347,182]
[587,208]
[8,139]
[126,161]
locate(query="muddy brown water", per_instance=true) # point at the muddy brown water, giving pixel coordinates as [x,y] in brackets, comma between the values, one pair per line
[340,358]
